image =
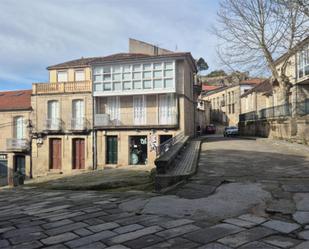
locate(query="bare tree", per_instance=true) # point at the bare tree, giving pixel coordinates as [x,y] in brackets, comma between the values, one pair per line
[303,4]
[255,32]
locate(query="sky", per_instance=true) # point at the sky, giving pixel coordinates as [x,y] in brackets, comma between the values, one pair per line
[35,34]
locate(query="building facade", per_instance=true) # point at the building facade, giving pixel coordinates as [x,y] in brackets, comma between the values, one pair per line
[141,101]
[110,111]
[62,121]
[290,120]
[257,98]
[225,102]
[15,126]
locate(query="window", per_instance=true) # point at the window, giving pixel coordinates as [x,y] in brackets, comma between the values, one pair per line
[78,113]
[143,76]
[113,109]
[53,114]
[19,127]
[79,75]
[303,62]
[167,109]
[117,86]
[147,84]
[62,76]
[158,84]
[139,110]
[127,85]
[137,85]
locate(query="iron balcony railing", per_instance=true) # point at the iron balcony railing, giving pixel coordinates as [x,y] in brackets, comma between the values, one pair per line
[299,108]
[54,124]
[16,144]
[167,145]
[267,113]
[302,108]
[78,124]
[132,119]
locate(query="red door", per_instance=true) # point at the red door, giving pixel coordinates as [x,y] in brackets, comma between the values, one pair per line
[55,153]
[78,154]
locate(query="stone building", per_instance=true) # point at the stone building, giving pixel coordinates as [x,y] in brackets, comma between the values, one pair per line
[257,98]
[62,120]
[142,99]
[225,101]
[15,129]
[291,120]
[106,111]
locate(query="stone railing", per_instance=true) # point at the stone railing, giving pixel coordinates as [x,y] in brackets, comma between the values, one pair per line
[61,87]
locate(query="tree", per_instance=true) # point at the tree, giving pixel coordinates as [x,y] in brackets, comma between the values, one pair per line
[255,32]
[216,73]
[303,5]
[201,65]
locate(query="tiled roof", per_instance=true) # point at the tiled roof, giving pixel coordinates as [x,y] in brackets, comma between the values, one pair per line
[83,62]
[264,87]
[15,100]
[207,88]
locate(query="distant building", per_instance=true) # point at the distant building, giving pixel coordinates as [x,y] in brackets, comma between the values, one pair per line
[257,98]
[225,101]
[15,129]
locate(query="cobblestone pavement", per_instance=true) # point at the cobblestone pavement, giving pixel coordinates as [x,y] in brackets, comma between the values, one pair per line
[247,194]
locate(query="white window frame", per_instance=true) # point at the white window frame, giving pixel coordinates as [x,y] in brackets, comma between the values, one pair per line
[167,109]
[303,62]
[113,109]
[19,127]
[79,118]
[53,115]
[139,112]
[83,72]
[126,72]
[62,71]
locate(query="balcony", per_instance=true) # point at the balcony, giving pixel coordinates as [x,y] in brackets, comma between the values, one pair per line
[78,124]
[151,120]
[53,125]
[62,87]
[15,144]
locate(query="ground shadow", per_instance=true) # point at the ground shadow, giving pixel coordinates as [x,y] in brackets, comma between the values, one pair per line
[121,179]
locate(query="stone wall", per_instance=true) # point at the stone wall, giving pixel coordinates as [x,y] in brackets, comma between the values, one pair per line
[294,129]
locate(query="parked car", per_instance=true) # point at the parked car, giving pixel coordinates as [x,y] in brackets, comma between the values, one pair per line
[230,131]
[210,129]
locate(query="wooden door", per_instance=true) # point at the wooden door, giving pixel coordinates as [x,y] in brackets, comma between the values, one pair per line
[112,150]
[78,153]
[55,153]
[20,164]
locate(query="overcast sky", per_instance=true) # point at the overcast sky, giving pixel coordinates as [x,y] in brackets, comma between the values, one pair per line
[37,33]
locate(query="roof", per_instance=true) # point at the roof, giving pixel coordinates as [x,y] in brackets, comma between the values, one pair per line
[253,81]
[15,100]
[296,47]
[84,62]
[264,87]
[208,88]
[222,88]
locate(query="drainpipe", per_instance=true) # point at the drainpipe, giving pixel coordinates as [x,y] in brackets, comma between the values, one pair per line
[94,135]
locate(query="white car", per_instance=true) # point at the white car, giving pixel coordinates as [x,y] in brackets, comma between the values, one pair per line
[230,131]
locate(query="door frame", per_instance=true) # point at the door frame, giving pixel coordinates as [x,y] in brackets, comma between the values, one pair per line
[73,153]
[51,149]
[107,150]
